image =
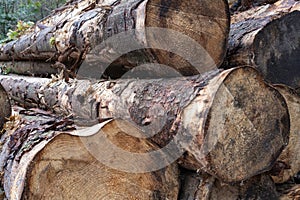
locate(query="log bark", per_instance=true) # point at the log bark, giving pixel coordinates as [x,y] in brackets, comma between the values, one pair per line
[82,25]
[63,167]
[223,121]
[205,187]
[40,69]
[242,5]
[290,156]
[5,108]
[267,37]
[292,192]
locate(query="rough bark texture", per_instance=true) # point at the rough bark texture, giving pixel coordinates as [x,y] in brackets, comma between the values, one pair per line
[289,191]
[42,69]
[82,25]
[5,108]
[290,155]
[205,187]
[268,37]
[242,5]
[64,167]
[223,120]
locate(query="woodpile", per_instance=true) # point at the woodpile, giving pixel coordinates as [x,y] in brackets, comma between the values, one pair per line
[224,126]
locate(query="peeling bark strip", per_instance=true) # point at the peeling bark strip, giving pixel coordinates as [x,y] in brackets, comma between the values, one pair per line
[84,24]
[223,120]
[63,168]
[5,107]
[268,37]
[290,156]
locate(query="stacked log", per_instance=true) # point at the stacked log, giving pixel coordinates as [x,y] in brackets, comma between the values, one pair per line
[80,26]
[206,133]
[63,168]
[267,37]
[212,144]
[290,155]
[215,144]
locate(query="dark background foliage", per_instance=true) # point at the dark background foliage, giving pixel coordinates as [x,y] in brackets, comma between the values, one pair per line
[12,11]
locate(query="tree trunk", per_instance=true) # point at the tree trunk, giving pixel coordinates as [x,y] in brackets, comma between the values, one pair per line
[64,166]
[223,121]
[205,187]
[200,27]
[5,108]
[268,37]
[42,69]
[290,155]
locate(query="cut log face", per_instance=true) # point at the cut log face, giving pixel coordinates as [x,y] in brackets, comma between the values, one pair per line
[84,25]
[223,121]
[281,63]
[239,127]
[290,155]
[65,169]
[268,37]
[5,107]
[204,21]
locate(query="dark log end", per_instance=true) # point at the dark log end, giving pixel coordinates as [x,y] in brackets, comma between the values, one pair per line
[277,50]
[248,125]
